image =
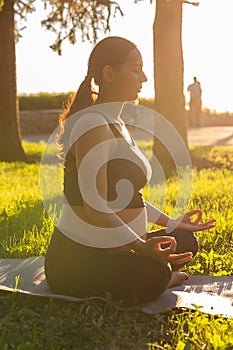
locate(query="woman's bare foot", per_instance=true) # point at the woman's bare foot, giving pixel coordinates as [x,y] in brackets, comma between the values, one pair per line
[177,279]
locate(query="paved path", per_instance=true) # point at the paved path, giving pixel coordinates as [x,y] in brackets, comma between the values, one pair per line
[211,135]
[203,136]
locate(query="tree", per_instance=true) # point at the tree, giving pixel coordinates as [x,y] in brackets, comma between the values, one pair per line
[10,144]
[169,69]
[168,63]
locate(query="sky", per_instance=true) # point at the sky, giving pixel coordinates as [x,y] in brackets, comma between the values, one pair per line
[207,51]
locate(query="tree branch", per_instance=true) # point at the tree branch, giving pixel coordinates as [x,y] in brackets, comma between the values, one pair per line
[86,17]
[109,3]
[191,3]
[27,7]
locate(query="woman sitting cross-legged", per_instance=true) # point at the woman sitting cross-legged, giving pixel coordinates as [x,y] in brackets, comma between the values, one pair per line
[100,243]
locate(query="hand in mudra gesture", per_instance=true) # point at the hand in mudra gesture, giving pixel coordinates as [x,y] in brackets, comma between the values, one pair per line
[154,250]
[185,222]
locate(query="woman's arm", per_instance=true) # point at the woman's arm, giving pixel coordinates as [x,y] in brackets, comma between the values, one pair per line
[183,222]
[154,215]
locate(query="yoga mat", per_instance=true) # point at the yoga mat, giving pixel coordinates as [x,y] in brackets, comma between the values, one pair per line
[208,294]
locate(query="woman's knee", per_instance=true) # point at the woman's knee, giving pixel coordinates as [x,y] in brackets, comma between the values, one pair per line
[186,241]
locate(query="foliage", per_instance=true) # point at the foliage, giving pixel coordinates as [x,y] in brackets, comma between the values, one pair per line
[147,102]
[91,17]
[67,17]
[21,10]
[29,323]
[47,100]
[43,100]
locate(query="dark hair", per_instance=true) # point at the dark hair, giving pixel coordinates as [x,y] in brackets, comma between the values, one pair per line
[111,51]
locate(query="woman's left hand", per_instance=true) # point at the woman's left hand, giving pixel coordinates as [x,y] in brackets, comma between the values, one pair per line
[184,222]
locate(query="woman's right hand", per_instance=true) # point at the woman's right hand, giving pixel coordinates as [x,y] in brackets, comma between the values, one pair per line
[152,248]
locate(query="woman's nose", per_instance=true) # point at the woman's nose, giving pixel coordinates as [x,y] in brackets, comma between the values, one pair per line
[144,77]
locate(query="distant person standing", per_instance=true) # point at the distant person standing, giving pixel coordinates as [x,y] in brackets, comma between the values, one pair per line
[195,102]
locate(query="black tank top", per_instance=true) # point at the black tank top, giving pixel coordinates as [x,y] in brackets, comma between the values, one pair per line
[132,166]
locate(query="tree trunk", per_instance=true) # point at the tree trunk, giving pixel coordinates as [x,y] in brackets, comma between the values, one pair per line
[168,70]
[10,139]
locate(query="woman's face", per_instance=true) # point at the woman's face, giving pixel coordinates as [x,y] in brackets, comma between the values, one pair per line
[127,80]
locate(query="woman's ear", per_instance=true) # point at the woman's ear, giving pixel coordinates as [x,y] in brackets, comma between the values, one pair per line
[108,74]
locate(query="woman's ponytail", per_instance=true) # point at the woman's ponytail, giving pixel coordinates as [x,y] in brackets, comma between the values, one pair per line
[83,98]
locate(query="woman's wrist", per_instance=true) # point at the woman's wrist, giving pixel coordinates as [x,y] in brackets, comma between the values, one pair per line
[164,220]
[172,224]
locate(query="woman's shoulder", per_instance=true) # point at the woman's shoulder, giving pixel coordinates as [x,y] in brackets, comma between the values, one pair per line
[92,123]
[87,121]
[90,118]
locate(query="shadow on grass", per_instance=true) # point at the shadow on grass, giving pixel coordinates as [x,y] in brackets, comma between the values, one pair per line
[204,157]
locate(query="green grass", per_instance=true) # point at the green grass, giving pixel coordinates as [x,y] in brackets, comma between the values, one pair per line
[35,323]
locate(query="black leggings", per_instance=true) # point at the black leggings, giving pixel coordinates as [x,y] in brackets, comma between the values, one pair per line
[81,271]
